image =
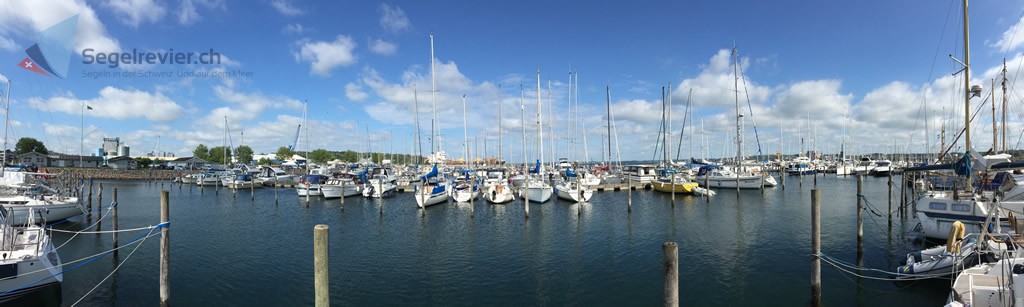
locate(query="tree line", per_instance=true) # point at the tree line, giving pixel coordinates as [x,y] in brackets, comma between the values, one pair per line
[244,154]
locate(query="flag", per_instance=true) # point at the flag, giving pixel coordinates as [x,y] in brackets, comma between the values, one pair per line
[88,107]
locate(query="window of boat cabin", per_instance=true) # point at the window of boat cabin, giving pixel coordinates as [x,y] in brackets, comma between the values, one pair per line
[961,207]
[937,206]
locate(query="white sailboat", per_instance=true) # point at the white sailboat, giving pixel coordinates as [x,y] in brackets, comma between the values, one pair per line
[736,176]
[30,260]
[537,189]
[436,193]
[465,188]
[572,188]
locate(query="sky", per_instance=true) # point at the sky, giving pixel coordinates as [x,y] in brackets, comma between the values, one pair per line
[865,76]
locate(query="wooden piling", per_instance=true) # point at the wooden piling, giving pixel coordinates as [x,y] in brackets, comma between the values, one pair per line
[343,195]
[860,215]
[165,250]
[99,208]
[275,190]
[115,222]
[629,194]
[816,247]
[670,261]
[88,209]
[707,185]
[890,199]
[320,273]
[252,189]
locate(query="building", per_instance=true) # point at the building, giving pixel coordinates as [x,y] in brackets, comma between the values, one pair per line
[57,160]
[123,163]
[110,146]
[188,163]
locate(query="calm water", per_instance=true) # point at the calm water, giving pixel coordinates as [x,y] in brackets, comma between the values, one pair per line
[740,249]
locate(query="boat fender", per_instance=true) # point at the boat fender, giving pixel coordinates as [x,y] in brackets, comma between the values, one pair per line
[955,238]
[1018,268]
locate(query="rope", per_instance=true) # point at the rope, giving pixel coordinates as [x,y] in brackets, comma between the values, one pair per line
[843,268]
[77,260]
[105,231]
[83,263]
[102,216]
[113,271]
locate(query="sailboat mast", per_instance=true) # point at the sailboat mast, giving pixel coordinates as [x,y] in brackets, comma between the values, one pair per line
[664,151]
[7,119]
[500,131]
[967,92]
[568,123]
[540,122]
[1005,98]
[465,129]
[416,120]
[433,100]
[668,123]
[739,116]
[522,113]
[607,102]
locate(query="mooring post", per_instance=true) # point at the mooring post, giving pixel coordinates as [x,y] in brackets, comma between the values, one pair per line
[670,261]
[815,247]
[629,194]
[320,273]
[165,249]
[526,196]
[890,199]
[782,176]
[672,179]
[115,222]
[252,189]
[275,190]
[343,195]
[860,216]
[88,209]
[707,185]
[99,208]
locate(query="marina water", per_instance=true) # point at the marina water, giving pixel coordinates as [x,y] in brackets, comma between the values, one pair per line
[746,248]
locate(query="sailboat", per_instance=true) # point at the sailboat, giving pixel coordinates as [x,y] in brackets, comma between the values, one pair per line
[436,193]
[496,187]
[537,189]
[465,187]
[572,187]
[670,180]
[735,176]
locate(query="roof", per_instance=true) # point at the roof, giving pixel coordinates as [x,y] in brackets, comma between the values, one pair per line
[189,159]
[31,154]
[60,156]
[114,159]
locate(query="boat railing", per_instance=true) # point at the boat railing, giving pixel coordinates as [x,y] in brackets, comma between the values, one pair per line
[10,238]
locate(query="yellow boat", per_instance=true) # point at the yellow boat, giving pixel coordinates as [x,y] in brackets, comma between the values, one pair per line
[680,185]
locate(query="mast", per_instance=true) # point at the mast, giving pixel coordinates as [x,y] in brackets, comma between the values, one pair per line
[1005,98]
[995,132]
[664,151]
[568,123]
[739,116]
[551,127]
[540,122]
[225,146]
[668,124]
[416,120]
[433,100]
[7,119]
[522,112]
[500,131]
[581,122]
[967,93]
[608,104]
[465,129]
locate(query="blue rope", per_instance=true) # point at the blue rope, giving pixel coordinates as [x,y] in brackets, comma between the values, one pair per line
[158,226]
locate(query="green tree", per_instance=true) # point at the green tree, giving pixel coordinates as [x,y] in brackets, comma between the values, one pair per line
[349,156]
[320,156]
[243,154]
[144,162]
[284,153]
[263,161]
[219,153]
[201,152]
[27,145]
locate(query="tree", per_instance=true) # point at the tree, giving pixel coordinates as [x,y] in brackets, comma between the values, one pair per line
[349,156]
[263,161]
[201,152]
[144,162]
[243,154]
[27,145]
[320,156]
[284,153]
[218,154]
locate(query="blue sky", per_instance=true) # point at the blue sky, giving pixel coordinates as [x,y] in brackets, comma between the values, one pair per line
[806,65]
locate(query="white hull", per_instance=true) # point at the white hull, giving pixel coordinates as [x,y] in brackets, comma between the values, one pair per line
[426,200]
[48,211]
[243,184]
[538,193]
[495,197]
[744,182]
[377,190]
[42,265]
[463,196]
[336,191]
[311,190]
[937,211]
[573,194]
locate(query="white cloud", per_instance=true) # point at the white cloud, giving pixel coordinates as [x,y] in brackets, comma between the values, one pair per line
[115,103]
[134,12]
[26,18]
[325,56]
[286,7]
[714,85]
[354,92]
[393,19]
[294,29]
[1012,38]
[8,44]
[381,47]
[188,14]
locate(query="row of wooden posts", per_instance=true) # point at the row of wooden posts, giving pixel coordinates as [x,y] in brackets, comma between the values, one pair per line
[165,239]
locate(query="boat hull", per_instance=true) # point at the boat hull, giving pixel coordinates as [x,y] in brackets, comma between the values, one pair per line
[574,195]
[668,187]
[499,195]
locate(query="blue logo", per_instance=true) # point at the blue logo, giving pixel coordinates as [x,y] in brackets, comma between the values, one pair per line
[52,51]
